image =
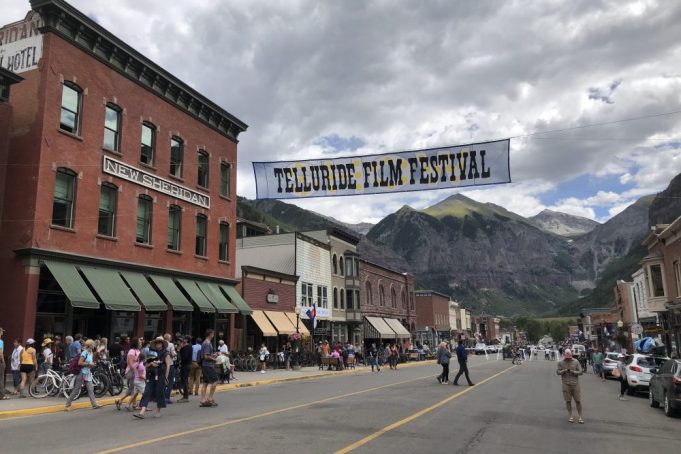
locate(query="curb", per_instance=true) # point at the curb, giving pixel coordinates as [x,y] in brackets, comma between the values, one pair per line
[108,401]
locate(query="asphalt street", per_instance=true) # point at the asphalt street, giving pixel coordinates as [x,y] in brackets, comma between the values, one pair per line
[511,410]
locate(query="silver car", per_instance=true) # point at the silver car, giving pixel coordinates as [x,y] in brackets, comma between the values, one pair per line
[637,370]
[610,363]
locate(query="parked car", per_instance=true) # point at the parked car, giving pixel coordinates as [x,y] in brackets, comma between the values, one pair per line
[637,370]
[480,349]
[665,387]
[609,363]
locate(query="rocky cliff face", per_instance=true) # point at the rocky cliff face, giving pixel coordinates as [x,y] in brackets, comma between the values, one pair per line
[666,206]
[563,224]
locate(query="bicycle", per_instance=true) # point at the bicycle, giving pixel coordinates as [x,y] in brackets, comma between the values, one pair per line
[46,384]
[115,382]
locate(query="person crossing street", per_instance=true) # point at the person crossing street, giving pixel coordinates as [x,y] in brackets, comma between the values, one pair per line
[462,358]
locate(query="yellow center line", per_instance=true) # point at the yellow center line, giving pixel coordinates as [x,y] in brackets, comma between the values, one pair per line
[404,421]
[260,415]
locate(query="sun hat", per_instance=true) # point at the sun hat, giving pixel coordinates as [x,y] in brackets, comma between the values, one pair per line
[162,340]
[46,341]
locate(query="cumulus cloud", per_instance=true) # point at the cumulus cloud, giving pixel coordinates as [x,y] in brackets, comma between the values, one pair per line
[324,78]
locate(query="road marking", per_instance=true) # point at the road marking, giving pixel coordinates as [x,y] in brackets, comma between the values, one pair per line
[260,415]
[404,421]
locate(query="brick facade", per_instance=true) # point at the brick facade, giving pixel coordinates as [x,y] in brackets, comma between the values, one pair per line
[372,278]
[432,310]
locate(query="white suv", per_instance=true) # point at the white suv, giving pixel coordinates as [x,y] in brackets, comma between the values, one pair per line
[637,370]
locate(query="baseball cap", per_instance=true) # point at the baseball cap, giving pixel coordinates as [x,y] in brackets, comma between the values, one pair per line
[30,340]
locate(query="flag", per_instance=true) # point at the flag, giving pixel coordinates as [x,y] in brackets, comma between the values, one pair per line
[312,314]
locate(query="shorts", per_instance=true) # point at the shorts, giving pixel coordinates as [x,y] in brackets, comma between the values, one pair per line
[139,386]
[572,392]
[208,375]
[26,368]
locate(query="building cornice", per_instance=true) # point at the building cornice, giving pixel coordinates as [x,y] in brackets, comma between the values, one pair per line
[82,32]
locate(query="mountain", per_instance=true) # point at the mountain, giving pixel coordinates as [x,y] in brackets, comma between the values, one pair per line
[667,204]
[563,224]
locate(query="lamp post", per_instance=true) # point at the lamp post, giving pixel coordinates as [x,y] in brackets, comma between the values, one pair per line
[297,361]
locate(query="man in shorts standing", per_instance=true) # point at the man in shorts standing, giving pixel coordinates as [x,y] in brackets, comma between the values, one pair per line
[210,377]
[569,371]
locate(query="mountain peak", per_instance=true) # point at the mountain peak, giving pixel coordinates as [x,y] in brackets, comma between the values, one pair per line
[563,224]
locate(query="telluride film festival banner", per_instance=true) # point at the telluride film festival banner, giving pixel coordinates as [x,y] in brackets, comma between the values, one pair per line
[436,168]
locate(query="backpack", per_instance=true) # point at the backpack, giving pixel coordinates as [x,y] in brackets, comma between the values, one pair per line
[74,368]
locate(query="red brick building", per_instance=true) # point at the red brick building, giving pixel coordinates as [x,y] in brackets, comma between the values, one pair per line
[432,312]
[387,302]
[119,199]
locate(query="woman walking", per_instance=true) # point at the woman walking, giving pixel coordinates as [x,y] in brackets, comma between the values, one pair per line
[624,385]
[86,361]
[443,356]
[158,368]
[132,359]
[27,367]
[393,356]
[263,355]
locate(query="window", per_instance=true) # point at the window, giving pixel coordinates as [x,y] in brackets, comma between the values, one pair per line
[342,298]
[64,196]
[357,267]
[348,267]
[335,296]
[306,294]
[203,169]
[657,284]
[225,178]
[147,144]
[112,125]
[223,254]
[107,210]
[411,302]
[381,295]
[201,225]
[356,301]
[341,265]
[144,209]
[322,296]
[370,299]
[174,224]
[404,300]
[349,299]
[334,263]
[393,298]
[176,157]
[677,276]
[70,108]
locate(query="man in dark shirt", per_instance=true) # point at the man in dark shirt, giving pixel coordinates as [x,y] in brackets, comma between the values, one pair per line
[209,376]
[462,358]
[185,367]
[116,351]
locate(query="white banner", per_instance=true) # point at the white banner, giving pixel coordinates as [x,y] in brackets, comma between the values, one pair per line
[436,168]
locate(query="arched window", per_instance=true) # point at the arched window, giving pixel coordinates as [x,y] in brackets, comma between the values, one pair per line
[381,295]
[404,300]
[341,265]
[393,298]
[335,295]
[201,235]
[106,224]
[174,225]
[176,157]
[223,246]
[64,199]
[144,211]
[71,106]
[203,167]
[370,299]
[334,263]
[342,298]
[112,127]
[148,144]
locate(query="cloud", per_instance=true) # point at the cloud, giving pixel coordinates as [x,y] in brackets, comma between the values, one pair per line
[318,78]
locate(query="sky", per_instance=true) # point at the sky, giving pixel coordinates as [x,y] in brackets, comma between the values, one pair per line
[327,78]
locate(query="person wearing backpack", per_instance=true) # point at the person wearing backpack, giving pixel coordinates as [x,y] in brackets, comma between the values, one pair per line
[85,361]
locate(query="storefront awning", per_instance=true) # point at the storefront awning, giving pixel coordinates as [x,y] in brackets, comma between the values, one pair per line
[400,331]
[172,294]
[217,299]
[301,326]
[281,322]
[378,329]
[196,295]
[264,324]
[145,293]
[236,299]
[72,284]
[111,289]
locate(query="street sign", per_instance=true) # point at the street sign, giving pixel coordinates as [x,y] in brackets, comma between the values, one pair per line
[636,328]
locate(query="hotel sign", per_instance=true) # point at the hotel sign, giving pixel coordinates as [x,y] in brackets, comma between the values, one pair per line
[122,170]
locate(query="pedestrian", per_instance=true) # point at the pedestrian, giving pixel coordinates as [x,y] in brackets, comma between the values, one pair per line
[443,356]
[132,360]
[139,382]
[68,340]
[185,356]
[3,396]
[393,356]
[263,354]
[195,374]
[569,370]
[102,352]
[597,360]
[15,364]
[157,369]
[48,355]
[173,361]
[372,354]
[462,358]
[75,348]
[27,367]
[622,375]
[222,347]
[116,352]
[210,377]
[86,361]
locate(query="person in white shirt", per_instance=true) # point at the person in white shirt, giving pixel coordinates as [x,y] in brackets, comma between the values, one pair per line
[16,364]
[222,347]
[48,356]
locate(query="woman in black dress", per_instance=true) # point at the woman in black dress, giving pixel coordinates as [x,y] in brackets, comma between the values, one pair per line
[158,368]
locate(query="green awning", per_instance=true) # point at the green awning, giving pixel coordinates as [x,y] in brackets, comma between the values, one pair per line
[145,293]
[72,284]
[111,289]
[217,299]
[196,295]
[236,299]
[171,293]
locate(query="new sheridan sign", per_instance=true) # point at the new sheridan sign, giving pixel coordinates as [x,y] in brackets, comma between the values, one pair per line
[148,180]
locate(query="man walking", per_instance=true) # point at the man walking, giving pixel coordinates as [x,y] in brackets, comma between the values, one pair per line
[462,358]
[569,371]
[597,360]
[210,377]
[185,367]
[195,373]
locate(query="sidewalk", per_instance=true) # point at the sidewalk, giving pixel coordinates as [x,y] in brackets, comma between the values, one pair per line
[29,406]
